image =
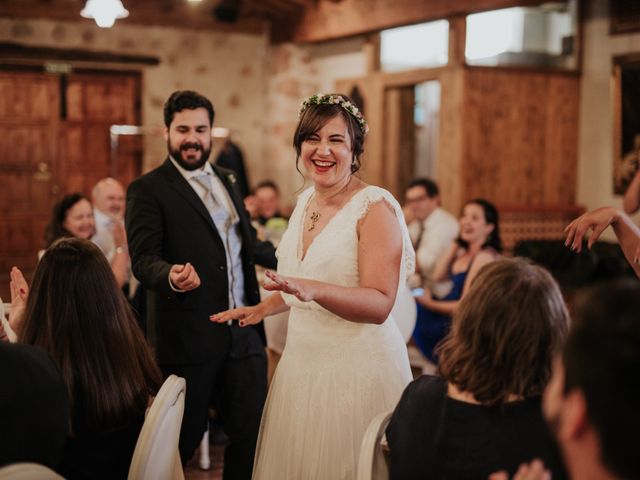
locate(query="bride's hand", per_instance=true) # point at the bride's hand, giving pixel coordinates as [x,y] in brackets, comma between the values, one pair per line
[299,287]
[244,315]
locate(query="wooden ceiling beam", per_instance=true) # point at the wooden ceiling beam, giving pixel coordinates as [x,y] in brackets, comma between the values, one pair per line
[331,19]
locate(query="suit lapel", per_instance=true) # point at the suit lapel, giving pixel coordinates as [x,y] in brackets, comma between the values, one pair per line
[181,185]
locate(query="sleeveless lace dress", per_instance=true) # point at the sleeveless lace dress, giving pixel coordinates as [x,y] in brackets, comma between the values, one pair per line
[334,375]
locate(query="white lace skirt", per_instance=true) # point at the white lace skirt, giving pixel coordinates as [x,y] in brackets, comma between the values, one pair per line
[333,378]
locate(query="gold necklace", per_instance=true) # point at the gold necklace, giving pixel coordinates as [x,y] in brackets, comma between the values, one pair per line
[315,216]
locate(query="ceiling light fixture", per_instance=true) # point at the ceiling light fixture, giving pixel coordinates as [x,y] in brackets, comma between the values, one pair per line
[104,12]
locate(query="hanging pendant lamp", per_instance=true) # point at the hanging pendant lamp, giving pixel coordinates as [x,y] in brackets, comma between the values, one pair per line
[104,12]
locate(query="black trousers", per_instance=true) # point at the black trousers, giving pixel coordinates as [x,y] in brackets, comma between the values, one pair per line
[238,389]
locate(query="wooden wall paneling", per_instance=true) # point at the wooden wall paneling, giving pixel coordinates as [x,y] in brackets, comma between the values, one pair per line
[452,139]
[520,130]
[399,141]
[563,108]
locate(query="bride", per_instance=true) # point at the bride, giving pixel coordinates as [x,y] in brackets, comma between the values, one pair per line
[339,266]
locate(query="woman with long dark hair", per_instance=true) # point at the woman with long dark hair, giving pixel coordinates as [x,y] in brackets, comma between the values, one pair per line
[478,244]
[76,312]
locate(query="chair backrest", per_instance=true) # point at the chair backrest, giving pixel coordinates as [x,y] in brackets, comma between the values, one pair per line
[373,463]
[405,312]
[156,453]
[28,471]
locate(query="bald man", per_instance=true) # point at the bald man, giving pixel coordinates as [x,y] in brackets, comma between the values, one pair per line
[108,209]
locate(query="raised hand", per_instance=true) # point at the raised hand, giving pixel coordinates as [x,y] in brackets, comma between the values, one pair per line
[184,277]
[301,288]
[244,315]
[596,220]
[19,292]
[119,235]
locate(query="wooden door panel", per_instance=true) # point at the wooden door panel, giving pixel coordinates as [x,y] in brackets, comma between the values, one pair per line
[28,96]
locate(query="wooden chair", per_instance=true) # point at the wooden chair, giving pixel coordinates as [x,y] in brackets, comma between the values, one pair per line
[373,464]
[28,471]
[156,454]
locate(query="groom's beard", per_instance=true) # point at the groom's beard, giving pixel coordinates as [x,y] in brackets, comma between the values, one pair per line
[189,161]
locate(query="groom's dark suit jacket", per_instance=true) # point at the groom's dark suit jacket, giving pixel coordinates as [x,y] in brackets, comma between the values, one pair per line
[168,224]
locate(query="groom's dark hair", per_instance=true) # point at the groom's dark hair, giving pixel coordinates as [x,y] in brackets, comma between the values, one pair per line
[186,100]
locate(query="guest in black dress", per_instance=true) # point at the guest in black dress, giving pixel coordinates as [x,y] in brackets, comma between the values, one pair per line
[34,406]
[76,312]
[483,414]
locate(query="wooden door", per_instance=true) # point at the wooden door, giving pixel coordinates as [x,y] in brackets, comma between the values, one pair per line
[95,103]
[29,128]
[54,140]
[399,138]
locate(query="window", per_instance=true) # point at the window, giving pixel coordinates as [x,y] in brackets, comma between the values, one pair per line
[537,36]
[416,46]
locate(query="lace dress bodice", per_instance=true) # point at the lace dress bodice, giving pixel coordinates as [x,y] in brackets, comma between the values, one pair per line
[335,375]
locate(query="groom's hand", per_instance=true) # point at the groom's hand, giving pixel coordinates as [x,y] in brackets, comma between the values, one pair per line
[184,277]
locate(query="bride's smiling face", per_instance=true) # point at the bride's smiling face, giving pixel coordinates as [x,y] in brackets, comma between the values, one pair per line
[327,153]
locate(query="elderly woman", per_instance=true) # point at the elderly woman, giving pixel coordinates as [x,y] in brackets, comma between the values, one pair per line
[345,360]
[483,413]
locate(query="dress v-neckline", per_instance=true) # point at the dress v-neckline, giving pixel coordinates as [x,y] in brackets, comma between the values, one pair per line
[301,253]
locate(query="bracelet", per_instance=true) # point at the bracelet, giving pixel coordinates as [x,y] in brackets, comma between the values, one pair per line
[120,250]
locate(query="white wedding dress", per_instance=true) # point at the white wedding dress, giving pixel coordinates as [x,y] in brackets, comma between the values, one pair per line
[334,375]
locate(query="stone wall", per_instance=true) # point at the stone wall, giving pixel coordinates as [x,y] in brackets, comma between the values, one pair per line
[295,72]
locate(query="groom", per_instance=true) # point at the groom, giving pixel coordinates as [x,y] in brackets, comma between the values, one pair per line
[193,249]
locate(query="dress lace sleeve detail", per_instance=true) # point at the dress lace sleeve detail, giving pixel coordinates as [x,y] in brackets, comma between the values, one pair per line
[372,195]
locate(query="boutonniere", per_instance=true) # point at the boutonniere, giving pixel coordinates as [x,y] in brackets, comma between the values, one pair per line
[232,178]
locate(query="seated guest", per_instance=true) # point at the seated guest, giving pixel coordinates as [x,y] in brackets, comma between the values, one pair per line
[73,216]
[591,403]
[267,197]
[264,208]
[34,407]
[479,243]
[108,211]
[483,413]
[433,230]
[76,313]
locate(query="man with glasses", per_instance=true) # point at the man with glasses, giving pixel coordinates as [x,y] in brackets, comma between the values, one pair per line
[432,230]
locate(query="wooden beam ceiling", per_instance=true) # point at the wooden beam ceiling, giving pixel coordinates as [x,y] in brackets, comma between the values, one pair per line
[332,19]
[296,21]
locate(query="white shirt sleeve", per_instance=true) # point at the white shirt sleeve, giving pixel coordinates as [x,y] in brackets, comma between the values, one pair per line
[440,232]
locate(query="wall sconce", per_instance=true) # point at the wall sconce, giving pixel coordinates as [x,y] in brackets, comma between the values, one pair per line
[104,12]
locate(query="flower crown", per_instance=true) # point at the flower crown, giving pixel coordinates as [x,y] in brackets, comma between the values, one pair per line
[331,99]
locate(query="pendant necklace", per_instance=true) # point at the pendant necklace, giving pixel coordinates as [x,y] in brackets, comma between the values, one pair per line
[315,216]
